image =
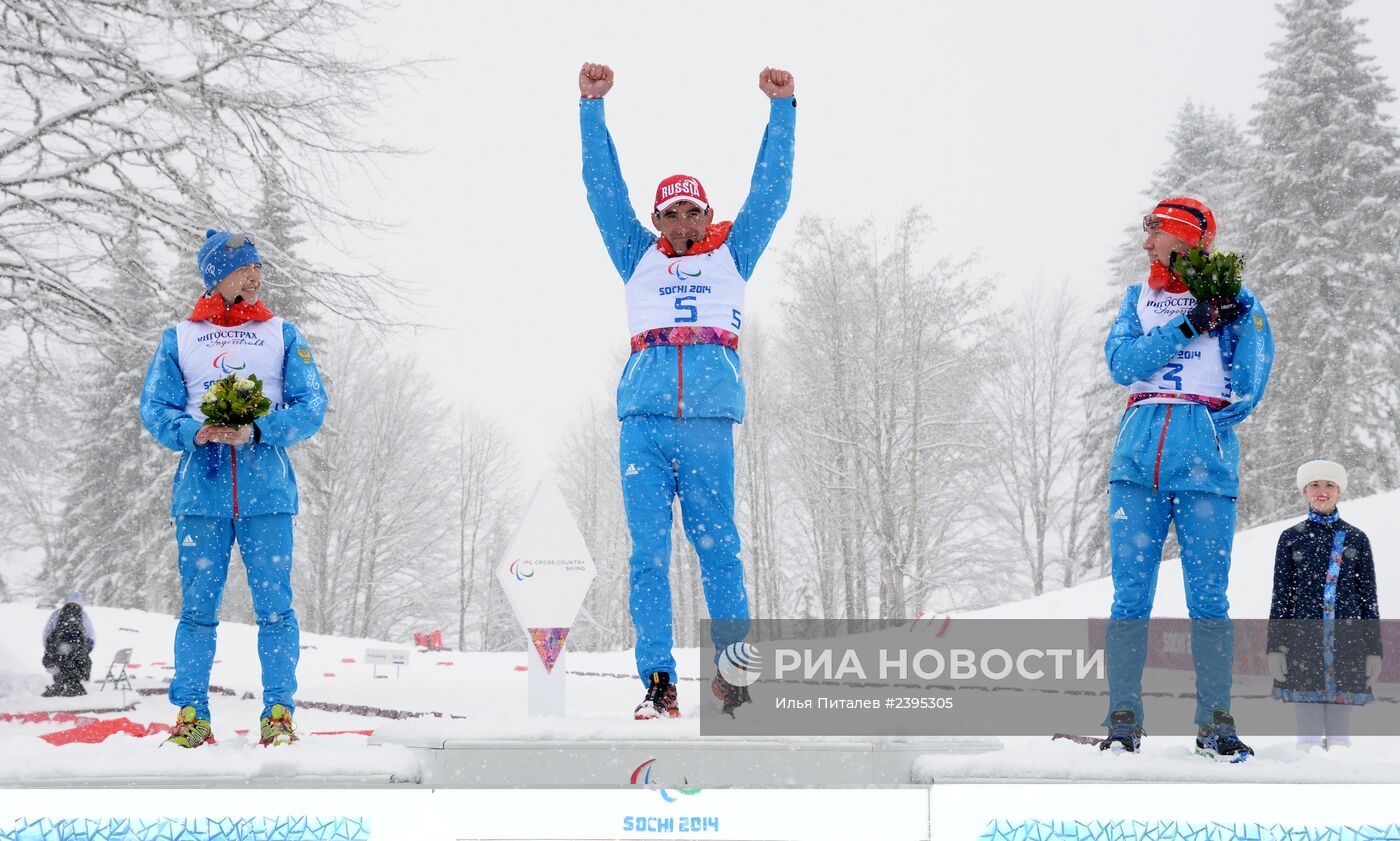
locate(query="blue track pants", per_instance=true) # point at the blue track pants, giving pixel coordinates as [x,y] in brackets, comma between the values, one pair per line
[693,458]
[1205,529]
[265,543]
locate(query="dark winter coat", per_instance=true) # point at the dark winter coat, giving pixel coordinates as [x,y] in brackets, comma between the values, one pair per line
[67,650]
[1299,600]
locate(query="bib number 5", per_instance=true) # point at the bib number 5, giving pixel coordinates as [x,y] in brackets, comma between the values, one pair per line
[690,308]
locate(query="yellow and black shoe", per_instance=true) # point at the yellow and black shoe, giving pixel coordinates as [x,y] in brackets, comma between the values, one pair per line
[660,701]
[277,727]
[190,731]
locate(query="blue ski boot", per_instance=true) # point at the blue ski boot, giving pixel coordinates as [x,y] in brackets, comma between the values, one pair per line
[1218,740]
[1123,730]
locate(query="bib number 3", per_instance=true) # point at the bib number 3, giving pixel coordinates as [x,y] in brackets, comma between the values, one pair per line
[1172,374]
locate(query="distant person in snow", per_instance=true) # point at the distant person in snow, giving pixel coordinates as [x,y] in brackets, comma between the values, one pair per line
[233,484]
[1324,622]
[1194,370]
[68,638]
[682,390]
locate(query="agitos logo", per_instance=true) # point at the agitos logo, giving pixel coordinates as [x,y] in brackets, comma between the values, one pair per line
[222,364]
[642,776]
[521,571]
[675,270]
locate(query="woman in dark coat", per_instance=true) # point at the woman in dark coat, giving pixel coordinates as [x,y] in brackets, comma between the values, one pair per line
[67,652]
[1324,625]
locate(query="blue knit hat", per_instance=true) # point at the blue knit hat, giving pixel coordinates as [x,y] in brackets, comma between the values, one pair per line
[216,259]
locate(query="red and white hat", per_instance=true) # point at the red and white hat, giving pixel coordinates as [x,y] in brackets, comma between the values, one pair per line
[680,188]
[1186,219]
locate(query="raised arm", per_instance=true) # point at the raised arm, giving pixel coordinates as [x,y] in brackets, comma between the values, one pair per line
[771,186]
[627,240]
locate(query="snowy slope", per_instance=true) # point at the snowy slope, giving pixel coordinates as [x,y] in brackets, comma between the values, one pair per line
[477,695]
[1372,759]
[483,695]
[1251,571]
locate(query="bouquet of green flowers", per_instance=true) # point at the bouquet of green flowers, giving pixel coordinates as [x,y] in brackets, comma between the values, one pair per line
[234,401]
[1209,275]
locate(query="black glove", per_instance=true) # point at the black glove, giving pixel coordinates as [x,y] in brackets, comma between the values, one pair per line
[1211,315]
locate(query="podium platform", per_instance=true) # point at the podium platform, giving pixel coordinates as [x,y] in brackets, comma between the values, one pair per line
[719,762]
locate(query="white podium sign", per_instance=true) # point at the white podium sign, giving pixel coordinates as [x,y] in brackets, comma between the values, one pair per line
[545,574]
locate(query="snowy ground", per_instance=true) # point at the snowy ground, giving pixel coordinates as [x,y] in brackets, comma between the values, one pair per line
[478,695]
[482,696]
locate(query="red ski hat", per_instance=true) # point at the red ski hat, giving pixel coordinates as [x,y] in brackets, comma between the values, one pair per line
[680,188]
[1186,219]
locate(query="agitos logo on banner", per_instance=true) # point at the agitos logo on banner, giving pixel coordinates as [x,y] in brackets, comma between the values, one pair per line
[548,551]
[642,776]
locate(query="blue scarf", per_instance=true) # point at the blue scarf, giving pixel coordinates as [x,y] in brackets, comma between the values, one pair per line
[1326,520]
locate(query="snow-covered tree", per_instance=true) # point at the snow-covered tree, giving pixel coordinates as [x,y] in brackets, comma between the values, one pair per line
[1034,432]
[486,497]
[759,480]
[156,116]
[36,427]
[1324,214]
[288,286]
[375,564]
[877,352]
[115,544]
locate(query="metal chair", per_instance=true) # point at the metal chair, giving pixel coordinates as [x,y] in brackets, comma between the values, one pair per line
[116,672]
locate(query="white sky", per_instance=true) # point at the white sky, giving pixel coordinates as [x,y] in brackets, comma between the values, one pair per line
[1025,129]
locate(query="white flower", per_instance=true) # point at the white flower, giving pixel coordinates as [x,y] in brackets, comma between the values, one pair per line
[242,383]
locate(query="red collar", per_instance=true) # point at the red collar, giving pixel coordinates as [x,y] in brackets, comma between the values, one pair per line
[1162,277]
[715,235]
[212,308]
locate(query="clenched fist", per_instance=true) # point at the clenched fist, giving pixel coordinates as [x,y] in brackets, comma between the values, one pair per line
[595,80]
[776,83]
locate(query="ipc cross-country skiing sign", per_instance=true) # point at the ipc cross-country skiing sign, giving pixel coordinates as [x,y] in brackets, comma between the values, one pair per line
[546,573]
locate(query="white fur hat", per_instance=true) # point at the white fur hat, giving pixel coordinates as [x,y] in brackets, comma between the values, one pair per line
[1322,469]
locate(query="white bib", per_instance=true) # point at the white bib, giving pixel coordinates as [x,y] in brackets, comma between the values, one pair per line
[1196,369]
[208,353]
[702,290]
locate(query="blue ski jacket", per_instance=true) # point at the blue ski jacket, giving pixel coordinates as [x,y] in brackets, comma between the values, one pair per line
[1186,446]
[213,480]
[708,375]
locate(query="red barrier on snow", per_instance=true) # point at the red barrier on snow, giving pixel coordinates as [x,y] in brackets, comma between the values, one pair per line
[96,732]
[347,659]
[342,732]
[522,668]
[446,663]
[26,718]
[328,674]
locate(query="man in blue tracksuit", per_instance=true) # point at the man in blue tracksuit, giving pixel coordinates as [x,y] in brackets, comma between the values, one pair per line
[233,483]
[1194,370]
[682,389]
